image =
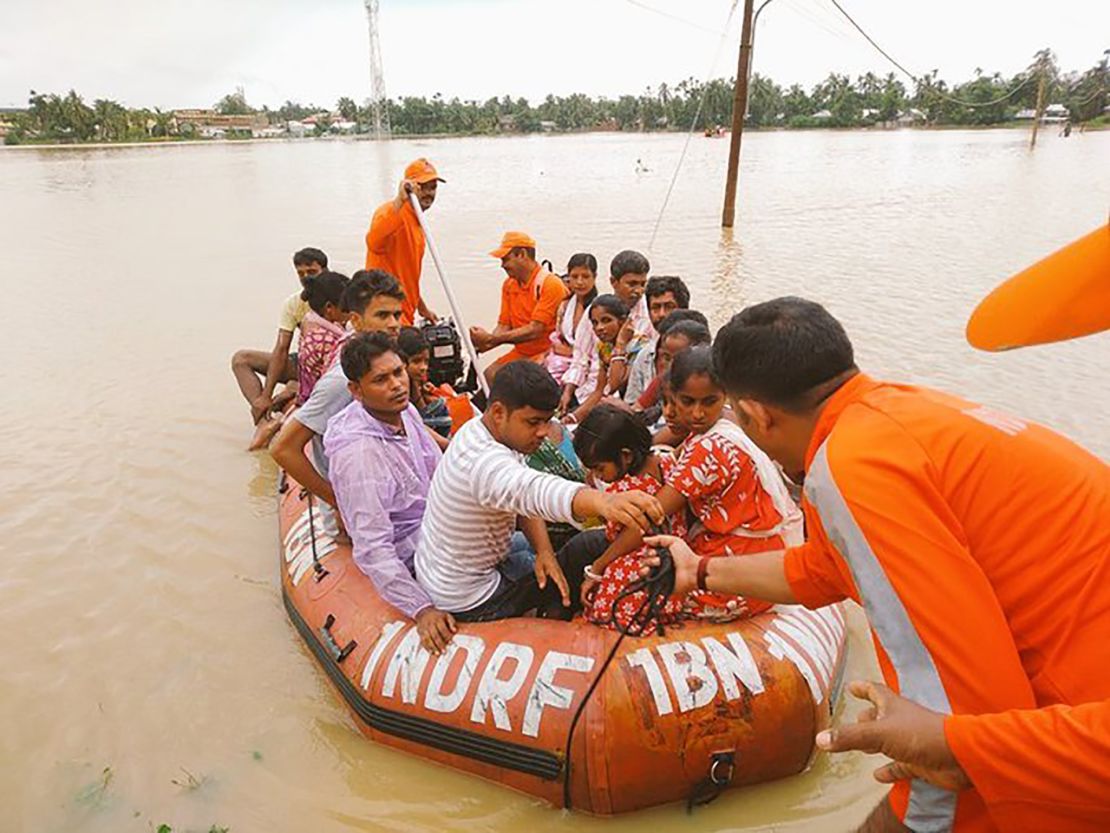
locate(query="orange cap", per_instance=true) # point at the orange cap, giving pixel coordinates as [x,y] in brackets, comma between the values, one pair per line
[1066,295]
[510,241]
[422,171]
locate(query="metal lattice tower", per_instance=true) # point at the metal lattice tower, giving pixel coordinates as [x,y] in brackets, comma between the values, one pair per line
[378,103]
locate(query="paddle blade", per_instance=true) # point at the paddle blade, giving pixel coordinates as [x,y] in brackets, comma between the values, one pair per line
[1066,295]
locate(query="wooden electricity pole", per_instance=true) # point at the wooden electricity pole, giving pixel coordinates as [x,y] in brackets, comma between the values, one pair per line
[739,107]
[1040,108]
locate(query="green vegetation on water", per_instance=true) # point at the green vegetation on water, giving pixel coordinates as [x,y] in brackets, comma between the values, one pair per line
[836,102]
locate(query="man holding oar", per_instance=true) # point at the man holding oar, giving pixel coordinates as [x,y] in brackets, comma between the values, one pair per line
[977,542]
[395,241]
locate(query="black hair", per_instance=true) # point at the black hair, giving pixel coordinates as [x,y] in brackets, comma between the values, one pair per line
[308,256]
[582,259]
[780,351]
[525,384]
[366,285]
[662,284]
[358,354]
[411,343]
[693,331]
[528,250]
[628,262]
[323,289]
[697,361]
[612,304]
[681,315]
[606,431]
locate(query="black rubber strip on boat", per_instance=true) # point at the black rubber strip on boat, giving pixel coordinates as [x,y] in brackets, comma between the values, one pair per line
[488,750]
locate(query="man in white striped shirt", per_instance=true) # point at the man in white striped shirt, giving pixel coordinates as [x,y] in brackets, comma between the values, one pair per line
[480,489]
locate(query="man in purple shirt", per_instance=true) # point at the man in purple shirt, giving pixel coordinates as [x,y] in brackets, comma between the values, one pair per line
[380,464]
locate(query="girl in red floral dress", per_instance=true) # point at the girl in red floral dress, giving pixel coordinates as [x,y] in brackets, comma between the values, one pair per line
[614,446]
[735,496]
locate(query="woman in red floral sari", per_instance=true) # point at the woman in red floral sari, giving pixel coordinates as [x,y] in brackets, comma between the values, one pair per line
[730,492]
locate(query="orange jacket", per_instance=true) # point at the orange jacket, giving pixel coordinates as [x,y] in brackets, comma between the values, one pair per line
[978,545]
[395,243]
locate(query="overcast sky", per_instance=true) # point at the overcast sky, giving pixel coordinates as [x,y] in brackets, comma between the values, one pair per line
[182,53]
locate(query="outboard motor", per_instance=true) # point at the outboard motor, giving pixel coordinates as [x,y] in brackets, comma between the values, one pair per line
[445,359]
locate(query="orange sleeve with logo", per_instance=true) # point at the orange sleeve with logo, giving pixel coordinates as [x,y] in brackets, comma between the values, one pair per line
[552,293]
[1040,769]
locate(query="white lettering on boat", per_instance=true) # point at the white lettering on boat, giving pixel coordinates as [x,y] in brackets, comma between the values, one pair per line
[388,632]
[297,546]
[693,683]
[408,662]
[495,693]
[439,701]
[733,666]
[644,659]
[546,693]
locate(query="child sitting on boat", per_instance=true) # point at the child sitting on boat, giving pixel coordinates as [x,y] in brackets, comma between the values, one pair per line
[322,329]
[735,495]
[615,446]
[608,316]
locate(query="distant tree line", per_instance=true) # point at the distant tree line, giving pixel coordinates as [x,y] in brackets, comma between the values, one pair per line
[838,101]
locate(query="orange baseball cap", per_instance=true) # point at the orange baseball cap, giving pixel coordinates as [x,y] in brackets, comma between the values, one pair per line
[512,240]
[423,171]
[1066,295]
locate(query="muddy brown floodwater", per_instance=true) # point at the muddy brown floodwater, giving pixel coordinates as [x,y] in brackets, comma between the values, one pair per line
[149,673]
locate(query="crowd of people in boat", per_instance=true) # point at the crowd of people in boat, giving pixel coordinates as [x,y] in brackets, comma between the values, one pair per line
[977,542]
[604,423]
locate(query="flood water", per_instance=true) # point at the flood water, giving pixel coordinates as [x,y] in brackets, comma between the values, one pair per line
[150,675]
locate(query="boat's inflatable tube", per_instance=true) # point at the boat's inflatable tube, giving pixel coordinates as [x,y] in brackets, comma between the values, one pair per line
[704,707]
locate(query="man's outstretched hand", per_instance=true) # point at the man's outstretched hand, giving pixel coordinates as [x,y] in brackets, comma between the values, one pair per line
[910,735]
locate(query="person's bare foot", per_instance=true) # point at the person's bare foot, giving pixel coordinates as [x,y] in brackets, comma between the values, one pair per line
[264,432]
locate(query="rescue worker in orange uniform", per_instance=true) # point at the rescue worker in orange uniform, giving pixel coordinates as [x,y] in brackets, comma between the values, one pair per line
[395,241]
[530,299]
[978,544]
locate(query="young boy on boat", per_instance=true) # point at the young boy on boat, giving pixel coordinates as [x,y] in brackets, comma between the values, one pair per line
[664,294]
[467,558]
[380,464]
[441,407]
[278,365]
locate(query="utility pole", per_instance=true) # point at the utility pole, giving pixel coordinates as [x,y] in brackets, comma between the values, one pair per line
[739,107]
[1040,107]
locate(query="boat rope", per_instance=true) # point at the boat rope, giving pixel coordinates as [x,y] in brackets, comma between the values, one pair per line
[916,79]
[693,124]
[657,587]
[317,568]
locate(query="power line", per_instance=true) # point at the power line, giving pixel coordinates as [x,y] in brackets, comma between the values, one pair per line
[670,16]
[915,79]
[694,123]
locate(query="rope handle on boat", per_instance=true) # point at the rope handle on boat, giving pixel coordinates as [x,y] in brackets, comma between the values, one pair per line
[658,585]
[722,766]
[337,653]
[318,569]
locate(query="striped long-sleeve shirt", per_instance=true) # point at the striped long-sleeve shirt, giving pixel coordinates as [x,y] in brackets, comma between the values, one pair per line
[477,492]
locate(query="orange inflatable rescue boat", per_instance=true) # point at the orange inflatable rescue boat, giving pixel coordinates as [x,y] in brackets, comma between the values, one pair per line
[560,710]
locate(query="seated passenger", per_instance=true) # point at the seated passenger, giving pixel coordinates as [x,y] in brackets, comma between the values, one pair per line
[322,329]
[530,299]
[582,283]
[628,277]
[380,463]
[608,315]
[432,407]
[734,492]
[372,300]
[665,294]
[466,558]
[673,431]
[278,365]
[615,447]
[682,335]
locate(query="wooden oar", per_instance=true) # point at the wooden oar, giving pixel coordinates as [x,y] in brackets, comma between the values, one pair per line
[1065,295]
